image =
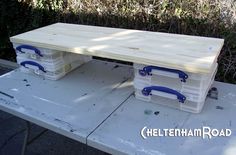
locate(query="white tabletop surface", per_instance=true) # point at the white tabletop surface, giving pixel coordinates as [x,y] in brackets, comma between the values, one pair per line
[72,106]
[120,133]
[94,105]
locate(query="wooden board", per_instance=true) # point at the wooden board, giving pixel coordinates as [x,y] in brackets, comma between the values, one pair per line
[187,53]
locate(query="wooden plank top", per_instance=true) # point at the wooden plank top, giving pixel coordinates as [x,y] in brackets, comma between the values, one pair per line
[188,53]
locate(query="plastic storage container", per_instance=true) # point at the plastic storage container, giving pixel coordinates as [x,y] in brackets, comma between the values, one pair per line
[37,53]
[174,79]
[52,70]
[191,100]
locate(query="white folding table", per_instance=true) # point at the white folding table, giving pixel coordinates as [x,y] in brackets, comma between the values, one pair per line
[73,106]
[95,105]
[120,133]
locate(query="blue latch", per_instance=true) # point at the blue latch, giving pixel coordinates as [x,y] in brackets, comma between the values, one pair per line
[147,91]
[148,69]
[33,64]
[36,51]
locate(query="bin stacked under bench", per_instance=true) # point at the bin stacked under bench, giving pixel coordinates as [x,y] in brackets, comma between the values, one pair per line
[179,89]
[51,64]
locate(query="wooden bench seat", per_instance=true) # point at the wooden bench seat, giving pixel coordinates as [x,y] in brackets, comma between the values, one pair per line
[183,52]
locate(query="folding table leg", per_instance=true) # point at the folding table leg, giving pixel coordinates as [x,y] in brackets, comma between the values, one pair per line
[27,132]
[26,141]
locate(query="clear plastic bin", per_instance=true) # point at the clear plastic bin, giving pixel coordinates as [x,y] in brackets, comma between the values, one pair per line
[175,79]
[190,101]
[52,70]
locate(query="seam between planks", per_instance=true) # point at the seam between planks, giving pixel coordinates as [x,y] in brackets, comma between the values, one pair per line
[132,93]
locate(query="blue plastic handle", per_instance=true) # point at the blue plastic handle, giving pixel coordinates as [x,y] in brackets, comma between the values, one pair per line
[33,64]
[147,91]
[148,69]
[37,51]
